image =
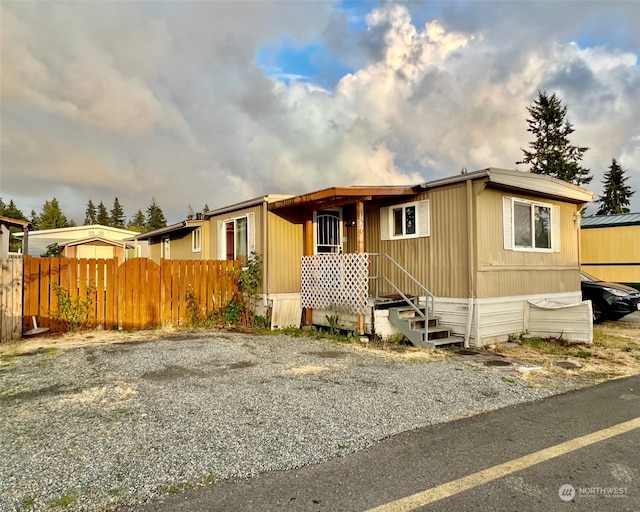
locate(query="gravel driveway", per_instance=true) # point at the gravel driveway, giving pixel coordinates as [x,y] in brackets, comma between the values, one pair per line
[91,427]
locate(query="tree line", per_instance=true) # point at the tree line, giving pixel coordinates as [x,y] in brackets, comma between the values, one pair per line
[552,153]
[52,217]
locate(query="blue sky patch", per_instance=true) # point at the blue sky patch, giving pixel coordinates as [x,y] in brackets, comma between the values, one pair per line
[312,63]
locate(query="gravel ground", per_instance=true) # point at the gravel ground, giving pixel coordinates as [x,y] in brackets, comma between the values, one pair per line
[97,426]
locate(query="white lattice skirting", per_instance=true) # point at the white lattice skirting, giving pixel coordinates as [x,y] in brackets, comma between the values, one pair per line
[338,282]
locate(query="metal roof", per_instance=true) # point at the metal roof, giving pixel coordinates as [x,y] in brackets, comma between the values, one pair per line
[185,224]
[602,221]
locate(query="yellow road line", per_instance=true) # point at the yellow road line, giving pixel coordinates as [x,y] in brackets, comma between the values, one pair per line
[487,475]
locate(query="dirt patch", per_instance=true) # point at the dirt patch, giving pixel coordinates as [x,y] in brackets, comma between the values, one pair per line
[172,372]
[327,354]
[242,364]
[308,369]
[102,395]
[498,363]
[16,394]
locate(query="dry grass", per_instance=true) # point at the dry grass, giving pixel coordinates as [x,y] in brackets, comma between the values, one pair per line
[52,342]
[614,353]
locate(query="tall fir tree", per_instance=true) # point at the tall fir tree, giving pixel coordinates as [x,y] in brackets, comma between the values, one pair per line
[155,217]
[103,215]
[52,216]
[205,209]
[116,216]
[11,210]
[551,151]
[138,223]
[34,218]
[616,194]
[90,215]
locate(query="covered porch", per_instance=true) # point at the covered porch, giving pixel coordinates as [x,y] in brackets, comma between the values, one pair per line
[345,286]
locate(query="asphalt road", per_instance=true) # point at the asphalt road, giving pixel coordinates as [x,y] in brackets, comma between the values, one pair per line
[426,458]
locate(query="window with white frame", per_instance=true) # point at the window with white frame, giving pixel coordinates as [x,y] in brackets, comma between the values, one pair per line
[530,225]
[409,220]
[196,240]
[236,238]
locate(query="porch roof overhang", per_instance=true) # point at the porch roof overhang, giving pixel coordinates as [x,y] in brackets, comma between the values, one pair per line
[14,223]
[334,197]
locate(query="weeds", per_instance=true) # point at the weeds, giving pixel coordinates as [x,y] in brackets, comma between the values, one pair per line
[555,346]
[208,479]
[240,311]
[76,312]
[28,502]
[62,501]
[334,321]
[174,488]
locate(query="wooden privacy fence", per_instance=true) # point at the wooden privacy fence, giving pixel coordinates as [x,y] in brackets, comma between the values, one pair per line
[138,294]
[11,298]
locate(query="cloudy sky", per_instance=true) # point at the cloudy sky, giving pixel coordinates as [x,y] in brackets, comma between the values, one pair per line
[218,102]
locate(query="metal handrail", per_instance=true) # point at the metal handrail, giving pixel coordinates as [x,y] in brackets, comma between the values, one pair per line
[428,295]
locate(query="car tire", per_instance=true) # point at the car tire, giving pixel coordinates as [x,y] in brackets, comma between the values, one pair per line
[616,316]
[599,311]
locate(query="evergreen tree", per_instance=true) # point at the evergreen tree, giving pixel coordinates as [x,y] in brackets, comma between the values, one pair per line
[103,215]
[34,218]
[155,217]
[90,215]
[206,208]
[117,215]
[552,153]
[138,223]
[52,216]
[616,195]
[12,211]
[190,214]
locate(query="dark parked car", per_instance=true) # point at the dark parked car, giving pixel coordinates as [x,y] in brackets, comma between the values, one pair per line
[610,301]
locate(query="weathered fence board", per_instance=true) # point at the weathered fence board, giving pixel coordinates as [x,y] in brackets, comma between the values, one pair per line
[137,294]
[11,298]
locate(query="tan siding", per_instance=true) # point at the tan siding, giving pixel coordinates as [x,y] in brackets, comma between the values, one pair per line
[206,254]
[155,251]
[212,235]
[286,247]
[95,251]
[180,248]
[509,283]
[620,244]
[508,273]
[438,261]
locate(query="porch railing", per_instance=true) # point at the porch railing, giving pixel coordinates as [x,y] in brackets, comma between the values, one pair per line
[376,277]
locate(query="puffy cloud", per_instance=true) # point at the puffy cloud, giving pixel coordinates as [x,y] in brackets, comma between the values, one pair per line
[166,99]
